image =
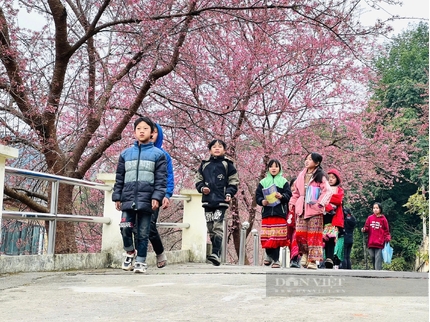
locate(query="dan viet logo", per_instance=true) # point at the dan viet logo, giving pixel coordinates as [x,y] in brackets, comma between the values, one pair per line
[296,285]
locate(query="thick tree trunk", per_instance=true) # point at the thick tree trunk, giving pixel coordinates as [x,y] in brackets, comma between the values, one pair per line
[65,242]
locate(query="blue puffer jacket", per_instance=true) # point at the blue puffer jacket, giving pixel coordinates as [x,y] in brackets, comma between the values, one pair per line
[170,176]
[140,177]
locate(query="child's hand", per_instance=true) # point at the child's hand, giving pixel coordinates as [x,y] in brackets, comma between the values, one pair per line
[155,204]
[118,205]
[362,230]
[278,195]
[206,190]
[264,202]
[166,203]
[227,198]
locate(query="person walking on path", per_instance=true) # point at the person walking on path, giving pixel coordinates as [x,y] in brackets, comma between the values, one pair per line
[154,236]
[140,186]
[291,234]
[217,180]
[312,193]
[378,230]
[333,218]
[349,224]
[273,194]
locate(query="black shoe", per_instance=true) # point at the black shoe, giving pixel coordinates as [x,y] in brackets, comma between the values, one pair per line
[214,259]
[328,263]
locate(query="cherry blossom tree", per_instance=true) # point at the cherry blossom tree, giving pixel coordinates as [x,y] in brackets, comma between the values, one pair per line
[273,79]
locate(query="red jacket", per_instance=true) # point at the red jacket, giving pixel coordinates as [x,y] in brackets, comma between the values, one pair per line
[336,199]
[379,231]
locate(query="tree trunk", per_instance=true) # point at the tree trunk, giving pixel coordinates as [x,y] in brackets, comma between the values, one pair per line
[65,242]
[235,225]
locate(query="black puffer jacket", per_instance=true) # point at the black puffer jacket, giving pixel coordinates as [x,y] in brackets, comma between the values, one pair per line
[279,210]
[350,222]
[141,176]
[220,176]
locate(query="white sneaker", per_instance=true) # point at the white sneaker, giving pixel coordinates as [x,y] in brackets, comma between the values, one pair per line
[127,264]
[139,267]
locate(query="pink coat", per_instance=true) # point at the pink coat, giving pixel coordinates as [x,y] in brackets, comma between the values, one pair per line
[298,198]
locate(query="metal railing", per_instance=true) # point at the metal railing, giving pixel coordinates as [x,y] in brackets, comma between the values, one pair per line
[53,216]
[242,245]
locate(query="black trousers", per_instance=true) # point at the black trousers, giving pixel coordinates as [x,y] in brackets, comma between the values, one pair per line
[346,264]
[273,253]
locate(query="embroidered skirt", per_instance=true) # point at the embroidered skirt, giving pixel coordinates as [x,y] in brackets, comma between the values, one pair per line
[309,236]
[329,231]
[294,247]
[274,232]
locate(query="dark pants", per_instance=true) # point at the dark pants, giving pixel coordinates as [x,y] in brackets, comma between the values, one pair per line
[216,232]
[346,264]
[273,253]
[215,225]
[154,236]
[139,223]
[329,248]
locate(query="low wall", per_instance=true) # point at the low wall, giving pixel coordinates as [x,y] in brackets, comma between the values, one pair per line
[64,262]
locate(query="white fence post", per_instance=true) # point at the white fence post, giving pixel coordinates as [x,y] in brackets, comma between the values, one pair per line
[194,239]
[111,239]
[5,153]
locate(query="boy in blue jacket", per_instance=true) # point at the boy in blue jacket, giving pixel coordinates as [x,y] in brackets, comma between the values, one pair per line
[140,186]
[154,236]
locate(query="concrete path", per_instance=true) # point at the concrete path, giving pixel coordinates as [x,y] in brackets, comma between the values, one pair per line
[202,292]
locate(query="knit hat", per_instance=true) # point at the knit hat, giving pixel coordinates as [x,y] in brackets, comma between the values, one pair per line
[336,173]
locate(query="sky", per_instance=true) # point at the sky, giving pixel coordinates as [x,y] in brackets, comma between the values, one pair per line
[412,10]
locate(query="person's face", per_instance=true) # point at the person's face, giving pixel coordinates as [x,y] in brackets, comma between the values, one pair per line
[217,149]
[142,133]
[376,210]
[332,180]
[274,169]
[309,163]
[154,135]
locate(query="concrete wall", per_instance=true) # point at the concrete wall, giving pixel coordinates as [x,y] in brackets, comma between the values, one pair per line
[64,262]
[193,238]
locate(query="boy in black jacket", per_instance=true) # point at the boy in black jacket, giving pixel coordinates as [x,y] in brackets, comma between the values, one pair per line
[217,180]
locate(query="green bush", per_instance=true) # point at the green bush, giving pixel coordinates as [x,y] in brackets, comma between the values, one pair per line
[397,264]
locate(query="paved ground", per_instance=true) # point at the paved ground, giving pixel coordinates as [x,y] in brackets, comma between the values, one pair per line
[202,292]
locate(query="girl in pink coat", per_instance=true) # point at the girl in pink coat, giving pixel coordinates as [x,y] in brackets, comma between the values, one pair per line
[312,193]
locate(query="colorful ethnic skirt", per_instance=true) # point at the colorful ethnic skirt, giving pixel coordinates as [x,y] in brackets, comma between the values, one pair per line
[309,236]
[274,232]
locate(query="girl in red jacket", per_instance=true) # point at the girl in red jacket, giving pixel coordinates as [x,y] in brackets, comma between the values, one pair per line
[379,233]
[333,218]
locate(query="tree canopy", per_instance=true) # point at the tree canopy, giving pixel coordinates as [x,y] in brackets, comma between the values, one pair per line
[402,88]
[271,79]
